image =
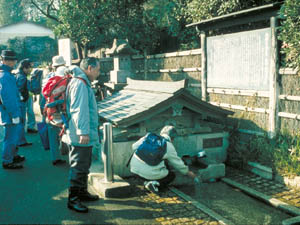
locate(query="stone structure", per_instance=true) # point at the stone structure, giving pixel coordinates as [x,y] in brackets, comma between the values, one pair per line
[121,52]
[146,106]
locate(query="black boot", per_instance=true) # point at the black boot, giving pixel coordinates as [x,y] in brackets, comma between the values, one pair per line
[74,202]
[84,195]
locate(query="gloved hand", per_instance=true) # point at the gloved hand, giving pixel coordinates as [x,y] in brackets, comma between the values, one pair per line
[16,120]
[197,180]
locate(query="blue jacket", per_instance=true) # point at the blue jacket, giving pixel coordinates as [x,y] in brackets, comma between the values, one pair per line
[9,96]
[22,83]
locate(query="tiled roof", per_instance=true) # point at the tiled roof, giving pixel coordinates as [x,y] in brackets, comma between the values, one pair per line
[140,100]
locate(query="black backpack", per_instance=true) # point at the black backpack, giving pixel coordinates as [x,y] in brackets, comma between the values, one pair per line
[152,149]
[34,84]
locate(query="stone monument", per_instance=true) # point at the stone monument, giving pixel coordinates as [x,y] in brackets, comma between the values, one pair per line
[121,52]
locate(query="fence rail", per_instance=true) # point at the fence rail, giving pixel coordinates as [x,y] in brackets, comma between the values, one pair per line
[146,66]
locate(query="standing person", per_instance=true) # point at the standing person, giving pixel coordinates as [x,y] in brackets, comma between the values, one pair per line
[155,171]
[82,133]
[58,63]
[24,69]
[9,111]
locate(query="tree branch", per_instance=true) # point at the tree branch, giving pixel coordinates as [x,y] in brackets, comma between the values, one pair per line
[47,14]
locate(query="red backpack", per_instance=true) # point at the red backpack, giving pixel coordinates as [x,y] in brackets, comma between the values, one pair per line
[55,94]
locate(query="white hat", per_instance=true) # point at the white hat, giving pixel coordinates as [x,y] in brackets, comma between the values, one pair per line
[61,71]
[58,60]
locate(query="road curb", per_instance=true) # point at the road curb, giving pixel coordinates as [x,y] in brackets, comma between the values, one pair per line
[272,201]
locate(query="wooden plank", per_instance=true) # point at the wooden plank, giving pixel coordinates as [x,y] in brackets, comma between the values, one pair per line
[240,107]
[289,115]
[250,14]
[289,97]
[176,70]
[238,92]
[288,71]
[203,66]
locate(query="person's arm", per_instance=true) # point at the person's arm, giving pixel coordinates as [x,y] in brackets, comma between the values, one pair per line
[178,163]
[10,97]
[174,160]
[21,84]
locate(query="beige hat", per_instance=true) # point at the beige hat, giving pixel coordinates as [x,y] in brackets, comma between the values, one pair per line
[61,71]
[58,60]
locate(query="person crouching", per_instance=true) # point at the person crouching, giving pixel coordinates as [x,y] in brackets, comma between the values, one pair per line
[155,171]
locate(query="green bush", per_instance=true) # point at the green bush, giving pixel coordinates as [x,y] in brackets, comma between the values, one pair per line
[290,32]
[281,154]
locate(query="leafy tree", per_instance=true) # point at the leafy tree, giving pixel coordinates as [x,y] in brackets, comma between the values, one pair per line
[290,32]
[11,11]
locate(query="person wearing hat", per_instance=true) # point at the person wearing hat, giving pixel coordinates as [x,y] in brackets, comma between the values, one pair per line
[9,111]
[157,175]
[58,63]
[24,69]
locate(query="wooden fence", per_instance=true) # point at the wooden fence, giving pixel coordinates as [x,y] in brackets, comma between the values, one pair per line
[252,108]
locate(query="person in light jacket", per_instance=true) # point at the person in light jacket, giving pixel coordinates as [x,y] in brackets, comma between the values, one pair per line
[82,133]
[9,111]
[160,175]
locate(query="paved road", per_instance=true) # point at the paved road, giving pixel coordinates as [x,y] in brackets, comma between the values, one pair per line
[38,194]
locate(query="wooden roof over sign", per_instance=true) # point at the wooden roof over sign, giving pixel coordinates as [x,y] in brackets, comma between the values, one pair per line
[141,100]
[246,16]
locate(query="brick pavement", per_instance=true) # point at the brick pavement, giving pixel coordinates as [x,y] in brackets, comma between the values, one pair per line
[170,208]
[270,188]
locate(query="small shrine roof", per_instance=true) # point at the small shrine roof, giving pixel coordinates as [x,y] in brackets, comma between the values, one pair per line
[141,100]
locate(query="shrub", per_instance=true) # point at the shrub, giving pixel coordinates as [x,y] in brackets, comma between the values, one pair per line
[290,32]
[281,154]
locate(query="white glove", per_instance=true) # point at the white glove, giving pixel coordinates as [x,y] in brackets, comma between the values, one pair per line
[16,120]
[197,180]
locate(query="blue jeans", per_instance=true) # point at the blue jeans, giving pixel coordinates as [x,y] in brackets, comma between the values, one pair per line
[9,149]
[30,113]
[54,141]
[80,159]
[21,125]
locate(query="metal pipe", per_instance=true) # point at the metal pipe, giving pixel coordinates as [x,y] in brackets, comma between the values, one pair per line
[107,154]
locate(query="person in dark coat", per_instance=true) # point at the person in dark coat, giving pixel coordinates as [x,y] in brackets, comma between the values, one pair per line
[24,69]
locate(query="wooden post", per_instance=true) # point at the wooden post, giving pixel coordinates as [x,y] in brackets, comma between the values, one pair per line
[274,87]
[145,66]
[203,66]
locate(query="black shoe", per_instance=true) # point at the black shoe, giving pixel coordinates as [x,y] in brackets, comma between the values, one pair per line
[74,203]
[19,158]
[85,196]
[58,162]
[11,166]
[33,131]
[25,144]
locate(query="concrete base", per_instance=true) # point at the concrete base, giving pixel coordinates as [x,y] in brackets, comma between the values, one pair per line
[117,189]
[260,170]
[291,221]
[212,172]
